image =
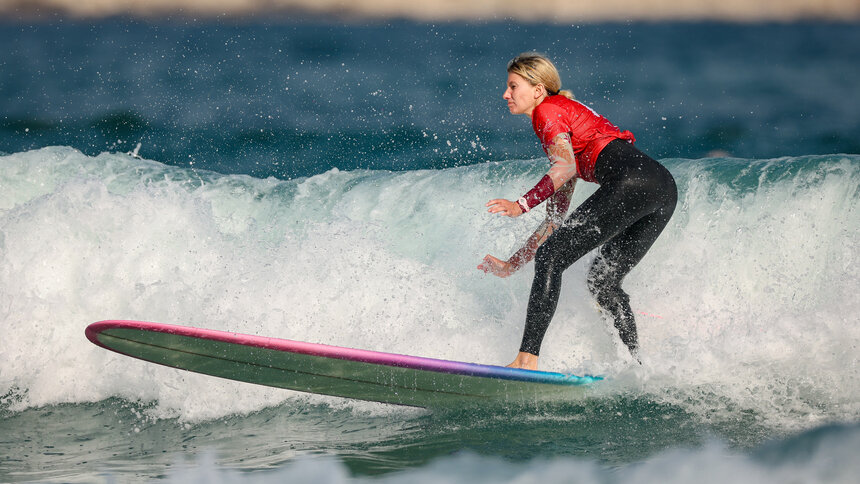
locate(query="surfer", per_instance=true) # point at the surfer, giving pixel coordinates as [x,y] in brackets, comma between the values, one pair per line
[624,217]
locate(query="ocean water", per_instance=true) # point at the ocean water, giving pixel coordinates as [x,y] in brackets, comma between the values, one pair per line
[326,183]
[292,98]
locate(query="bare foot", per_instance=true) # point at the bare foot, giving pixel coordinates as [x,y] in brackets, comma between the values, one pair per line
[526,361]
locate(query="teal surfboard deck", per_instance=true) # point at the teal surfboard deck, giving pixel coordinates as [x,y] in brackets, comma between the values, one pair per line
[332,370]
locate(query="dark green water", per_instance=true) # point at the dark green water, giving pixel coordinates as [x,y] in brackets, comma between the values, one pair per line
[116,437]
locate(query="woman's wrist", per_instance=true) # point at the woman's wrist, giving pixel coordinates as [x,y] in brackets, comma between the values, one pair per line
[543,190]
[524,205]
[518,259]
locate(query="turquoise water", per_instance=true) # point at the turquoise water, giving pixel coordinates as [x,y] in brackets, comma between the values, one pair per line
[327,183]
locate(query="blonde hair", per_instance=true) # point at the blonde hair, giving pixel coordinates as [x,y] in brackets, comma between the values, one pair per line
[537,69]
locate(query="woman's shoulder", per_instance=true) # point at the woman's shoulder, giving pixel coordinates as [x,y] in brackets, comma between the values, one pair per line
[558,105]
[552,117]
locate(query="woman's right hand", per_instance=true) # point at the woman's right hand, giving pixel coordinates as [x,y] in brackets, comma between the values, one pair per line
[504,207]
[496,266]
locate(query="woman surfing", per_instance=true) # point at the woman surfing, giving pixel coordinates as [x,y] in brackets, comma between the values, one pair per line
[632,206]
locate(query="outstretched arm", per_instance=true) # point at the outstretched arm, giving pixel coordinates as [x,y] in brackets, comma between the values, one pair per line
[556,209]
[557,185]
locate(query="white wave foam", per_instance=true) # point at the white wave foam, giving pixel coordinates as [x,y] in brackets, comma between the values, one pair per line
[749,294]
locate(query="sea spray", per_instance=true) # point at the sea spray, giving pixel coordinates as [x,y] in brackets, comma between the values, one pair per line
[748,295]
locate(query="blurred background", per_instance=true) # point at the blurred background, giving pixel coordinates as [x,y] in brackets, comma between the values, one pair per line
[440,10]
[291,88]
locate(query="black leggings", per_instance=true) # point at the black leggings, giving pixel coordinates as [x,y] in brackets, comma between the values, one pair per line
[635,201]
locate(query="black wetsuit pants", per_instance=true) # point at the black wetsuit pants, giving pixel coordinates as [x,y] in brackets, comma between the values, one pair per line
[635,201]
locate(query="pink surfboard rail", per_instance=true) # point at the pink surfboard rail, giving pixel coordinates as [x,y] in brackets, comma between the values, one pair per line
[342,353]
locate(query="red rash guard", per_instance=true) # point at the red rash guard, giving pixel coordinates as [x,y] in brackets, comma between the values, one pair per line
[589,131]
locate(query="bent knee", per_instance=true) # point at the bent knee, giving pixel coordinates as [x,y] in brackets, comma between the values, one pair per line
[599,279]
[604,292]
[605,288]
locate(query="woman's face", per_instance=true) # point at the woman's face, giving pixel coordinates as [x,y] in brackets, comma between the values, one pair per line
[522,97]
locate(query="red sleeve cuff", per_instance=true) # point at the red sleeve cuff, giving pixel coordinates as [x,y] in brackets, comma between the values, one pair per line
[543,190]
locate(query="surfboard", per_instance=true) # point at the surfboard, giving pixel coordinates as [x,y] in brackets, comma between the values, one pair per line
[333,370]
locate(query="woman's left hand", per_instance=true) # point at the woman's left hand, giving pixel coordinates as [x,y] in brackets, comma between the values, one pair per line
[504,207]
[494,265]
